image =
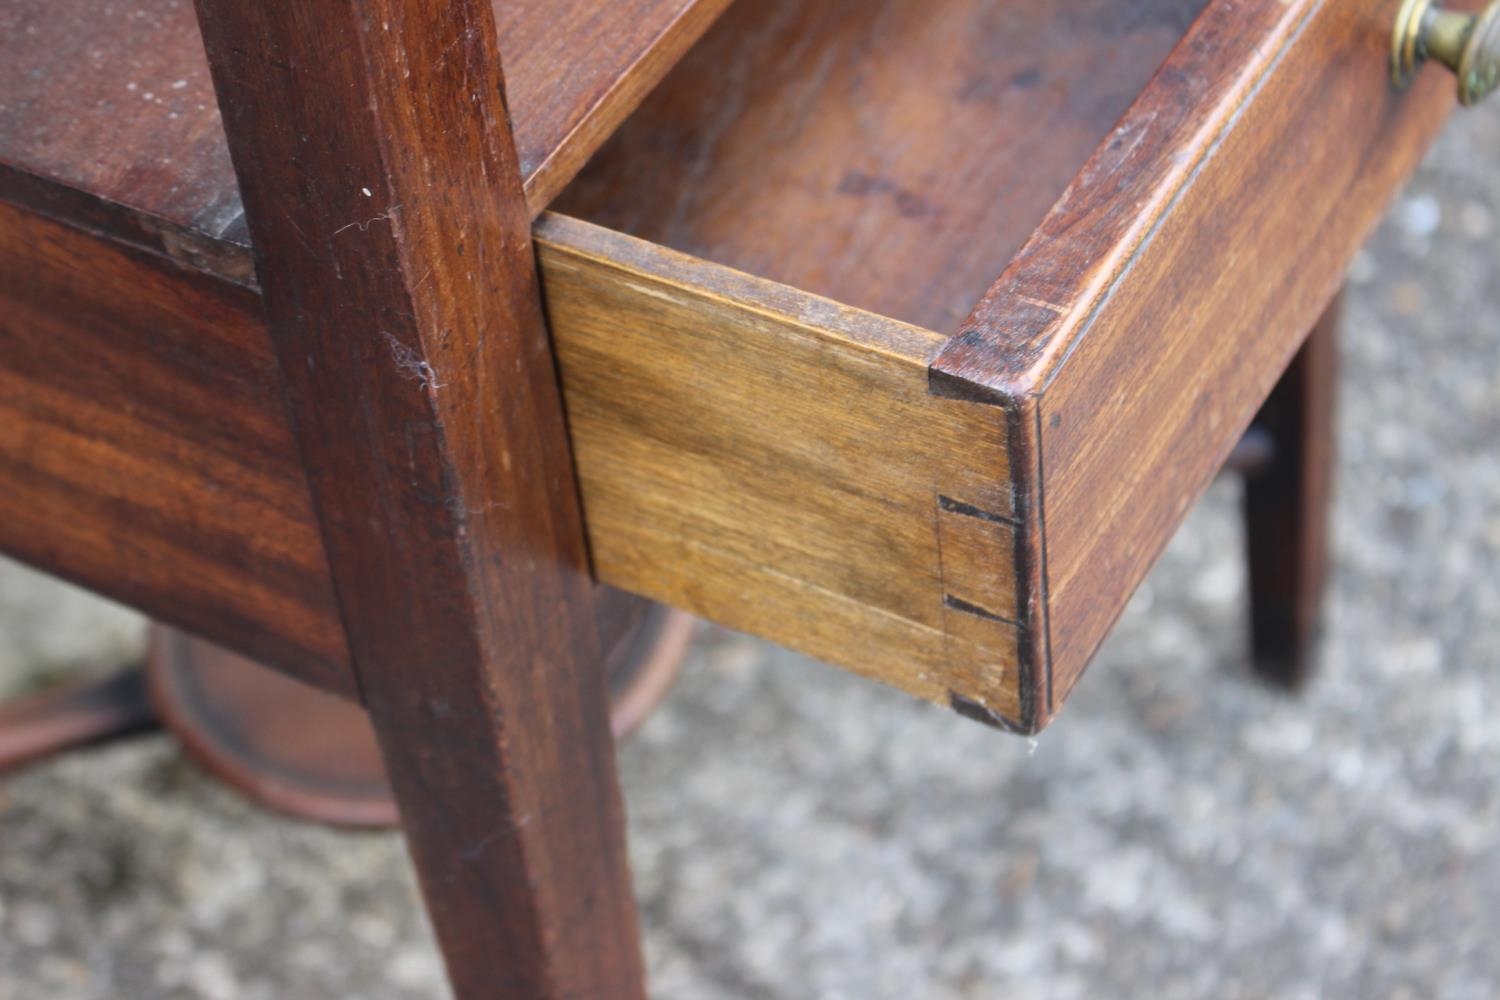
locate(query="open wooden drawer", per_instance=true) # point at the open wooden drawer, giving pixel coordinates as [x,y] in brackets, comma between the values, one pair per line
[836,374]
[950,471]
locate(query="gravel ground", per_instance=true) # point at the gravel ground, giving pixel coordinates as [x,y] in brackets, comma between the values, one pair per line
[796,832]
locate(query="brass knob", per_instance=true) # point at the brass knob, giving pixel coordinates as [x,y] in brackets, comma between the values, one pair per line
[1468,44]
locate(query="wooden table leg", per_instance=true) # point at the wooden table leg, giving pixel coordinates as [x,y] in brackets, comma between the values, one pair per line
[81,713]
[393,247]
[1287,508]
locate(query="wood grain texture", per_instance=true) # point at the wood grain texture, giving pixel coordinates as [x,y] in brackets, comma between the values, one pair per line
[145,452]
[1127,343]
[108,118]
[773,461]
[1137,332]
[165,475]
[401,294]
[886,154]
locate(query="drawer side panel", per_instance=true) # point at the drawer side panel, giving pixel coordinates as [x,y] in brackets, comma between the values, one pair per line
[774,462]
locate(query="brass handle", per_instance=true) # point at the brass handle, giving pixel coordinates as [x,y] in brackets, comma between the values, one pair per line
[1468,44]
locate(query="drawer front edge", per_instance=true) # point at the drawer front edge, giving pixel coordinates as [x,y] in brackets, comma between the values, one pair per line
[1159,302]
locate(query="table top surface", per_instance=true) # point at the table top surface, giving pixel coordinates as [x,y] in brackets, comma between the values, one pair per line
[108,116]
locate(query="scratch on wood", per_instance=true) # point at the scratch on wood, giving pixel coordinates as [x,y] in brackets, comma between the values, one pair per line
[1042,304]
[474,852]
[652,292]
[364,227]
